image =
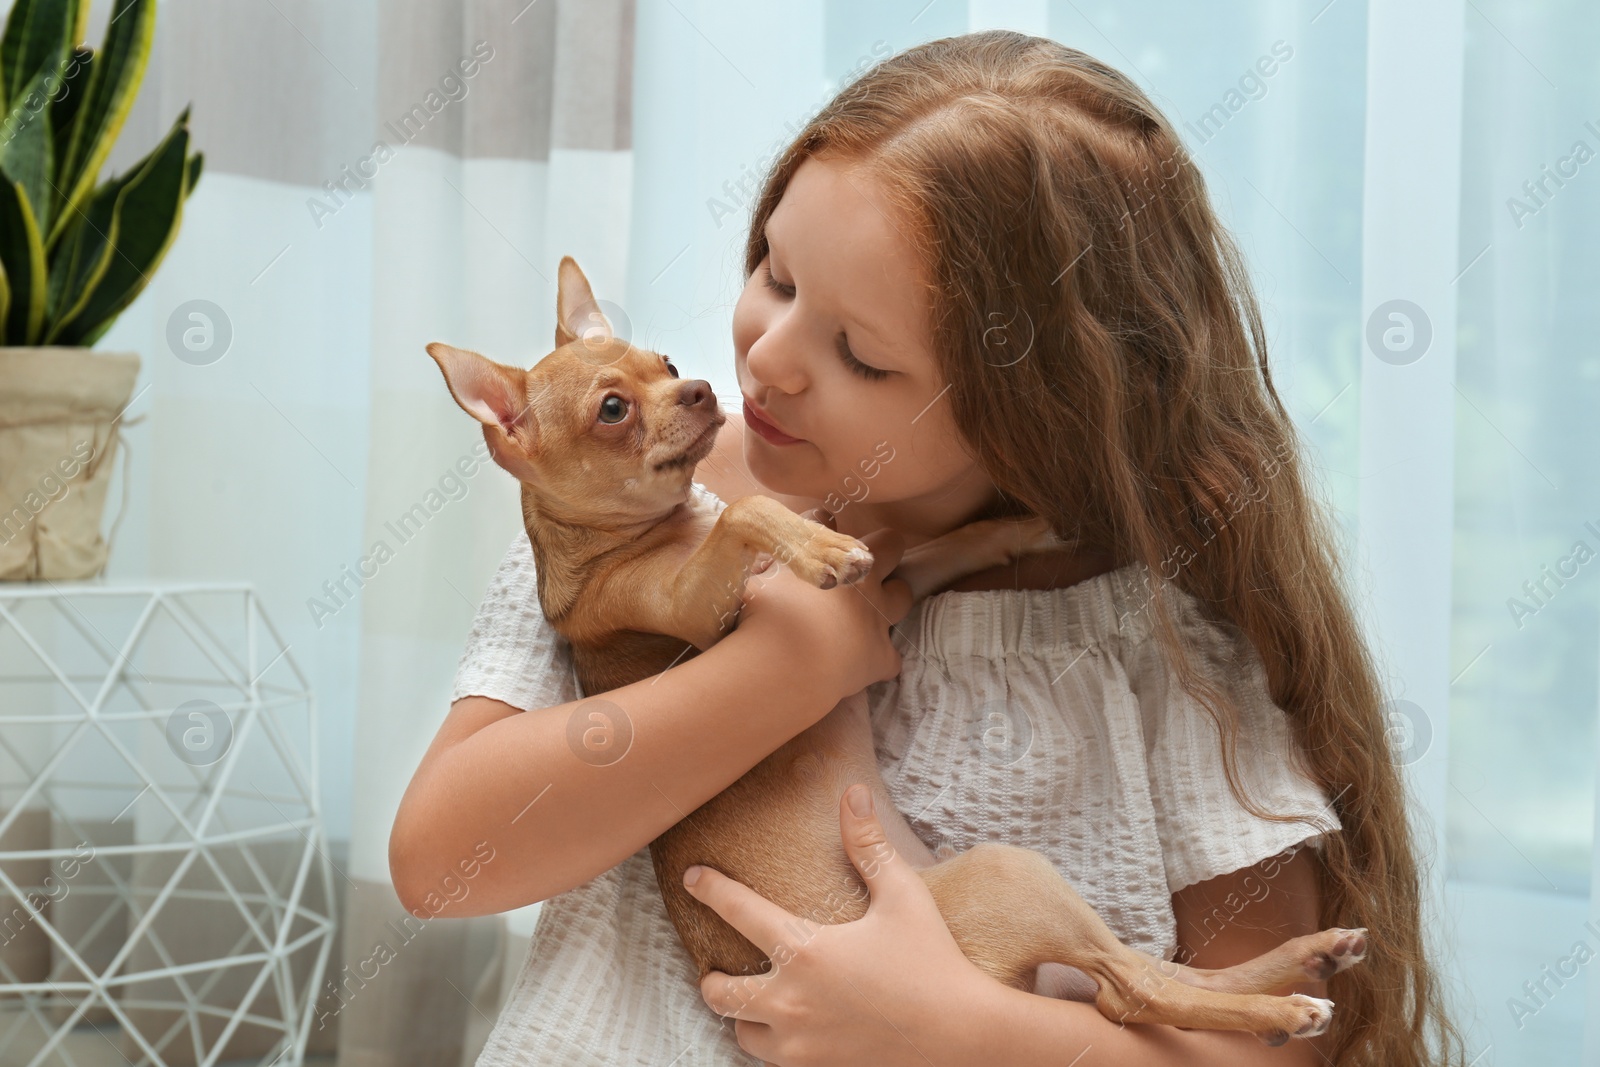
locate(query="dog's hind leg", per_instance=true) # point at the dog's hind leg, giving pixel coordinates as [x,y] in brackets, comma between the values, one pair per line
[1314,957]
[1009,911]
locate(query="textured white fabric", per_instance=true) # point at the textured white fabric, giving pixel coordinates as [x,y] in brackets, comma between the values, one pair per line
[1042,718]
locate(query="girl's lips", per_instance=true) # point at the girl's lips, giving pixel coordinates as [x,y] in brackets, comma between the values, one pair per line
[766,429]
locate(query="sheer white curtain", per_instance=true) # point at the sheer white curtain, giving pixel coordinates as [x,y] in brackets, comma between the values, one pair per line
[1524,625]
[378,176]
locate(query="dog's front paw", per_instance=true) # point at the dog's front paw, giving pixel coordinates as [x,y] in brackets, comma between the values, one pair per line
[828,558]
[1317,1015]
[1333,951]
[1305,1017]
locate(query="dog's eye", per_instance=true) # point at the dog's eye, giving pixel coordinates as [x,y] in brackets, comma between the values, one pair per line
[613,409]
[670,368]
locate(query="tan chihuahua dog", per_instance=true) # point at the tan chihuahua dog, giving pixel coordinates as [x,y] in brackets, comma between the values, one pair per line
[637,574]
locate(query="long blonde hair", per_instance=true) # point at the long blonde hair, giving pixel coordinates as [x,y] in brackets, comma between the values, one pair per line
[1086,298]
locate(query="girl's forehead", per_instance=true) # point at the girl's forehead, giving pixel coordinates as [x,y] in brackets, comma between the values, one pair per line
[832,190]
[835,232]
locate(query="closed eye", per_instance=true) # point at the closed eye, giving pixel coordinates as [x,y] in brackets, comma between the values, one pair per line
[773,283]
[875,374]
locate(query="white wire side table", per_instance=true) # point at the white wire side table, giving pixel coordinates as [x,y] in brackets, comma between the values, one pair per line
[164,876]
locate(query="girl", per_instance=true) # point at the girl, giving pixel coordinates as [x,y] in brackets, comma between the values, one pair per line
[985,280]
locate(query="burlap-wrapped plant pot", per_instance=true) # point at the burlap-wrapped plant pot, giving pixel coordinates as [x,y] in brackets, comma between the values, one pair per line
[59,430]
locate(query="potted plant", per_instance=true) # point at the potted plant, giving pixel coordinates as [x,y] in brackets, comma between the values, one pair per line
[74,253]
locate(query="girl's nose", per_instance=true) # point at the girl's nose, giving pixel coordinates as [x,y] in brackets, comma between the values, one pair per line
[775,359]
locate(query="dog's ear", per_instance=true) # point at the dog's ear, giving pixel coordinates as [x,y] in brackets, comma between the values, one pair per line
[492,393]
[578,314]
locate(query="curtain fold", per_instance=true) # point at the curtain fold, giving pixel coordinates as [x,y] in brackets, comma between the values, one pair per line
[469,222]
[378,176]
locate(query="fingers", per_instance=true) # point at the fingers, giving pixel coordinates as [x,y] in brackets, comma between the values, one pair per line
[738,996]
[821,515]
[742,908]
[887,547]
[740,999]
[867,845]
[898,597]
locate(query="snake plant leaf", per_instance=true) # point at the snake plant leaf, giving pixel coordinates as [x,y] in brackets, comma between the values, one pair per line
[146,217]
[22,253]
[26,142]
[64,108]
[80,20]
[82,256]
[114,79]
[87,247]
[5,301]
[34,30]
[75,251]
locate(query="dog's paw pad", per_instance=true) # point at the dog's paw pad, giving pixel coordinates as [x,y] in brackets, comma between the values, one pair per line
[1321,966]
[1343,950]
[1351,947]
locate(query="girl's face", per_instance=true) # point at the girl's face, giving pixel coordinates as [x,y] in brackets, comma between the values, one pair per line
[831,341]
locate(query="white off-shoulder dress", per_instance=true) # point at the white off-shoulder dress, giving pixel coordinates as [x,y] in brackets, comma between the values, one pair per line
[1042,718]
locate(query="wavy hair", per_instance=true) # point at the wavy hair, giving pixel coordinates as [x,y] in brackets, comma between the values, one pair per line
[1108,368]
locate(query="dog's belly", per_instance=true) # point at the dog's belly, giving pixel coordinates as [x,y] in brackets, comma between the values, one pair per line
[776,830]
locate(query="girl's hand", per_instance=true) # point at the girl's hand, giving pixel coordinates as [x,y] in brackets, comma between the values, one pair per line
[842,632]
[881,990]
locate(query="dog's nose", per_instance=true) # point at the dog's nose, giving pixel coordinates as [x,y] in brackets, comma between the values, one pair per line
[696,394]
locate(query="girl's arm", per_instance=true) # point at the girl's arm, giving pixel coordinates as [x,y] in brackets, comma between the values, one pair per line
[503,811]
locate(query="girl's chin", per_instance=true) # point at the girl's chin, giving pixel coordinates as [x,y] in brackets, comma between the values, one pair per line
[773,471]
